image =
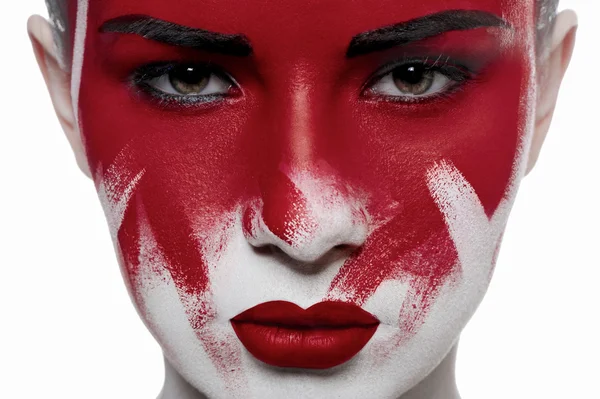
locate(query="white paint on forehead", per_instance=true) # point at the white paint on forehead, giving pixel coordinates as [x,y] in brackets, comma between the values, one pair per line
[78,50]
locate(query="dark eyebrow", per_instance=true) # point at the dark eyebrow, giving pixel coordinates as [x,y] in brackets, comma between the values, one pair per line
[421,28]
[179,35]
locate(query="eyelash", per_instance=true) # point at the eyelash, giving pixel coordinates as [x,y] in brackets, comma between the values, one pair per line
[146,73]
[458,74]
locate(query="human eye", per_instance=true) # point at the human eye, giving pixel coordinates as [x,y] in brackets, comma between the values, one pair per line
[184,83]
[415,80]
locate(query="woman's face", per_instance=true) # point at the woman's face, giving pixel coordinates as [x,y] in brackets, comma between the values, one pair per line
[358,155]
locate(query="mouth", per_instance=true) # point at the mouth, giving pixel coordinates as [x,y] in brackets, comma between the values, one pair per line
[325,335]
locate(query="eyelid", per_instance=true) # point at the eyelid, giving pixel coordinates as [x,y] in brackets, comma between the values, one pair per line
[455,71]
[156,69]
[142,75]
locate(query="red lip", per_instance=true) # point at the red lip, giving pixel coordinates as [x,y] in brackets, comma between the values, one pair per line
[325,335]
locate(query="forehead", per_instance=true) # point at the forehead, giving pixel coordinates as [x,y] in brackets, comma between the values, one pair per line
[306,19]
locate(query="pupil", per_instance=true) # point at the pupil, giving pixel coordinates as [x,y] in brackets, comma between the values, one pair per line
[190,75]
[411,74]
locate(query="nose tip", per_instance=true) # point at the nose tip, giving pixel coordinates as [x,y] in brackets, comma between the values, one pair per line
[305,217]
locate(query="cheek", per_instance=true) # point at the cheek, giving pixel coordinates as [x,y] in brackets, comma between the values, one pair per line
[189,169]
[478,130]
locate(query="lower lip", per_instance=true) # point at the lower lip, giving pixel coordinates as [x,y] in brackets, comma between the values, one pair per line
[311,348]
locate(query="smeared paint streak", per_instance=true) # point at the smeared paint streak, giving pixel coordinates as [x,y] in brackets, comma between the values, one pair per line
[195,298]
[224,350]
[220,343]
[149,269]
[413,246]
[464,213]
[152,276]
[322,216]
[116,185]
[250,218]
[285,210]
[475,236]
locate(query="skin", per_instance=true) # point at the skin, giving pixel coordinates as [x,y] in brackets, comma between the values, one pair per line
[299,188]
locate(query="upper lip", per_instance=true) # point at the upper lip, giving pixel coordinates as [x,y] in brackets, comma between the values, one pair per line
[328,314]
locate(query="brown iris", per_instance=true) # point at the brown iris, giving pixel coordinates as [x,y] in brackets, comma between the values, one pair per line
[187,79]
[413,79]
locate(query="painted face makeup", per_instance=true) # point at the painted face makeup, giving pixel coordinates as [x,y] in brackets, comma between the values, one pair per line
[306,199]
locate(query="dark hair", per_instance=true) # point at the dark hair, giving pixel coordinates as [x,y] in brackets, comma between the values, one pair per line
[59,11]
[545,14]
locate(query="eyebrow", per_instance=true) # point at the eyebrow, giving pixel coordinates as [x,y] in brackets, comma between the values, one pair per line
[179,35]
[421,28]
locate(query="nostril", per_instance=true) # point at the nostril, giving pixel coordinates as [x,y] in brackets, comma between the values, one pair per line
[263,249]
[268,249]
[346,249]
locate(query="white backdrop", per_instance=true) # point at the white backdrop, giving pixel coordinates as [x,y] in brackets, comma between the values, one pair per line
[69,331]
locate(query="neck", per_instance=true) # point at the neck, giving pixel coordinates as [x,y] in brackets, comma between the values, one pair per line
[439,384]
[176,387]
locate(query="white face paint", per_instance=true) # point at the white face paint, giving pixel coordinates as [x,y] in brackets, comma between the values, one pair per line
[194,328]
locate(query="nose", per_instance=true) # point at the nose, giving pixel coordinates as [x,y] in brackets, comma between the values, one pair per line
[305,215]
[305,207]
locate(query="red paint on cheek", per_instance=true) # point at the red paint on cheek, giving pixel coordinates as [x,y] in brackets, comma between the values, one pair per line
[413,246]
[477,129]
[128,238]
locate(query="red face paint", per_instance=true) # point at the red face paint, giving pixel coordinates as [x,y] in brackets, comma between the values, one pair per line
[300,105]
